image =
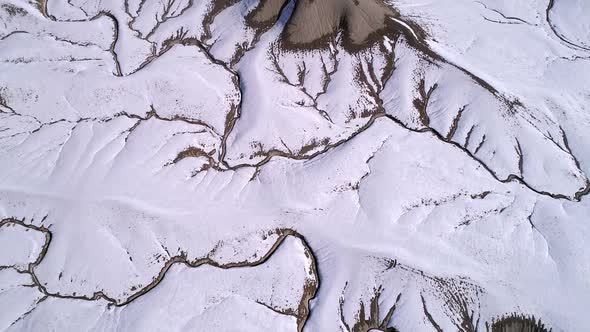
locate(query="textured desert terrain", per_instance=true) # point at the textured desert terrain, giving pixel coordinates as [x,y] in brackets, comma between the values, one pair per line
[294,165]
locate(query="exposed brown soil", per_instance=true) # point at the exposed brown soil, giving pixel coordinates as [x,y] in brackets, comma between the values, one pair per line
[194,152]
[312,19]
[314,24]
[13,10]
[365,321]
[268,11]
[517,323]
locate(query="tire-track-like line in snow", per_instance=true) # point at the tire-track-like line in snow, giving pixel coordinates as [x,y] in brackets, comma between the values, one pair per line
[303,311]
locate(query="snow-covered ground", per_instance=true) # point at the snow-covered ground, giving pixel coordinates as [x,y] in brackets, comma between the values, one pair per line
[178,165]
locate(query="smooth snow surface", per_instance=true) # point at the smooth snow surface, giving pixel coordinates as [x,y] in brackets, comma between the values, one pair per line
[266,165]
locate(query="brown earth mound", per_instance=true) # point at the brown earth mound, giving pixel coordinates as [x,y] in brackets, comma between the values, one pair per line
[315,20]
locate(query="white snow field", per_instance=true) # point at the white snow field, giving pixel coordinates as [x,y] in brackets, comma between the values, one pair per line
[191,165]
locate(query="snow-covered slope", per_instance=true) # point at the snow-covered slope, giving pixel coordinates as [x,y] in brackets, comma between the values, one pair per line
[286,165]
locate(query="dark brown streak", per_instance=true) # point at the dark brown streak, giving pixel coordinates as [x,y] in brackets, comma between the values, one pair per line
[509,18]
[520,158]
[455,124]
[429,316]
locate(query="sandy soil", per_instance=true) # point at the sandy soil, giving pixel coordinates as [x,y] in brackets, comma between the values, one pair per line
[312,20]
